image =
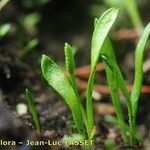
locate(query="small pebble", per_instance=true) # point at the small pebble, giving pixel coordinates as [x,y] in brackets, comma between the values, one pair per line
[21,109]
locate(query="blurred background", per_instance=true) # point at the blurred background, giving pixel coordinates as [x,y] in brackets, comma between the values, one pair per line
[30,28]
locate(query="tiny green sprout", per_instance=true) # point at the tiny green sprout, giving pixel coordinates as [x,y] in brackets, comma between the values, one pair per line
[29,47]
[69,56]
[33,110]
[4,29]
[109,144]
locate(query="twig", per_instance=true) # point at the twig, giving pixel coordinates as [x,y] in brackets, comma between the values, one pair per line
[84,72]
[104,89]
[125,34]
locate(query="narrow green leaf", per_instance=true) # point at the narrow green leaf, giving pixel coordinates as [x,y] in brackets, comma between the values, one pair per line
[69,57]
[70,66]
[95,22]
[33,110]
[133,12]
[138,77]
[107,49]
[4,29]
[114,3]
[109,144]
[57,79]
[118,75]
[29,47]
[102,28]
[121,84]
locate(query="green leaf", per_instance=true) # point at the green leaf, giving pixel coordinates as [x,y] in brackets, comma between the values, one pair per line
[117,75]
[109,144]
[30,46]
[4,29]
[31,20]
[70,66]
[33,110]
[108,50]
[101,30]
[122,85]
[95,22]
[114,3]
[138,77]
[133,12]
[100,33]
[69,57]
[57,79]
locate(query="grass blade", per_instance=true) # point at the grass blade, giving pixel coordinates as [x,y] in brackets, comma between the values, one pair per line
[114,87]
[133,12]
[69,57]
[121,84]
[138,77]
[102,28]
[70,66]
[33,110]
[4,29]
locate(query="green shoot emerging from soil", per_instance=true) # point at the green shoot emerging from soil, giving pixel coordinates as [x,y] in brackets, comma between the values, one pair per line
[4,29]
[116,82]
[101,48]
[33,110]
[83,118]
[131,7]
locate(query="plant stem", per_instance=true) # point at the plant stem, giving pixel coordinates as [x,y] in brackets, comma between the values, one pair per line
[116,102]
[133,12]
[89,106]
[113,84]
[90,137]
[33,110]
[121,84]
[73,82]
[138,77]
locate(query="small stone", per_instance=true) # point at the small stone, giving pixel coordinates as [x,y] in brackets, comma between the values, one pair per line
[21,109]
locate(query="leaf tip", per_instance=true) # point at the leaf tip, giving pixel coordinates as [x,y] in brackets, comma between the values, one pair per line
[26,90]
[113,10]
[66,44]
[44,56]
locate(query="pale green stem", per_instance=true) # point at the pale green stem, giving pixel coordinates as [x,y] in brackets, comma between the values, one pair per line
[133,12]
[89,106]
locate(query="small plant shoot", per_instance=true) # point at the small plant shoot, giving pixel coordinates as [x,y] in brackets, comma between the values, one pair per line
[33,110]
[101,49]
[83,118]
